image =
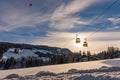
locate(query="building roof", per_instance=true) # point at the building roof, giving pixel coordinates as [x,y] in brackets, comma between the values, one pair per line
[117,55]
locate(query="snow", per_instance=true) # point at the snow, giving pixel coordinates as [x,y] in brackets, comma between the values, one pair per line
[4,58]
[45,58]
[25,53]
[11,50]
[65,67]
[42,51]
[75,76]
[22,53]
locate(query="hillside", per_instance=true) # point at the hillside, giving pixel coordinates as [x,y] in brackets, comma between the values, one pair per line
[13,56]
[4,45]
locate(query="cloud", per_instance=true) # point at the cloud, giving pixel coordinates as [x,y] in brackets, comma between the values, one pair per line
[15,14]
[31,25]
[98,42]
[114,20]
[16,18]
[63,18]
[114,28]
[64,24]
[105,36]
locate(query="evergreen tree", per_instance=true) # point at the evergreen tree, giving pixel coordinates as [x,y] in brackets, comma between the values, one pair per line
[88,53]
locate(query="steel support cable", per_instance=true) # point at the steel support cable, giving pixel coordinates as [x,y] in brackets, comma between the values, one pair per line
[102,13]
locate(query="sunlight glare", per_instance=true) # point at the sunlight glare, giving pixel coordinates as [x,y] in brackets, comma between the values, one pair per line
[78,45]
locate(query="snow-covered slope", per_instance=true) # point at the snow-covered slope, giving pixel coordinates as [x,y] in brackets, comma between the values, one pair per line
[42,51]
[18,53]
[63,67]
[22,53]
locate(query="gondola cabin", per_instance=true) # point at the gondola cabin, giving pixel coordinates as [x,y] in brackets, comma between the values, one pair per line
[77,39]
[85,44]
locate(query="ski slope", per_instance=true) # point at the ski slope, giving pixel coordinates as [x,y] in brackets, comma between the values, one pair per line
[26,53]
[22,53]
[63,67]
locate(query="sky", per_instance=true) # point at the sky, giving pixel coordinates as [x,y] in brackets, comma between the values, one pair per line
[56,23]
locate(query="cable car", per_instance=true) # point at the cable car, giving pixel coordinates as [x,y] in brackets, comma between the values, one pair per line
[77,39]
[85,44]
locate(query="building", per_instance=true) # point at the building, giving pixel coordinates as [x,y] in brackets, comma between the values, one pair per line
[1,55]
[84,58]
[117,55]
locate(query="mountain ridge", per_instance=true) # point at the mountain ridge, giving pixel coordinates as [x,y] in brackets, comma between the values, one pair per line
[6,45]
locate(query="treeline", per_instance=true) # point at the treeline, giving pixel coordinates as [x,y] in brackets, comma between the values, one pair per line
[52,59]
[12,63]
[109,53]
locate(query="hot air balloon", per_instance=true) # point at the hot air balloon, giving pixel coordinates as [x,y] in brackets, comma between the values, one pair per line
[30,4]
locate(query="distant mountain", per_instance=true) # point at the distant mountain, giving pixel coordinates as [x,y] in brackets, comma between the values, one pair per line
[14,55]
[4,46]
[18,54]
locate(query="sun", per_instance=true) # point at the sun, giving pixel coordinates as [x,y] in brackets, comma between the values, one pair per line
[78,45]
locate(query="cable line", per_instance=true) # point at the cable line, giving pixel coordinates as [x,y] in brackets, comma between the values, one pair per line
[85,42]
[111,5]
[101,15]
